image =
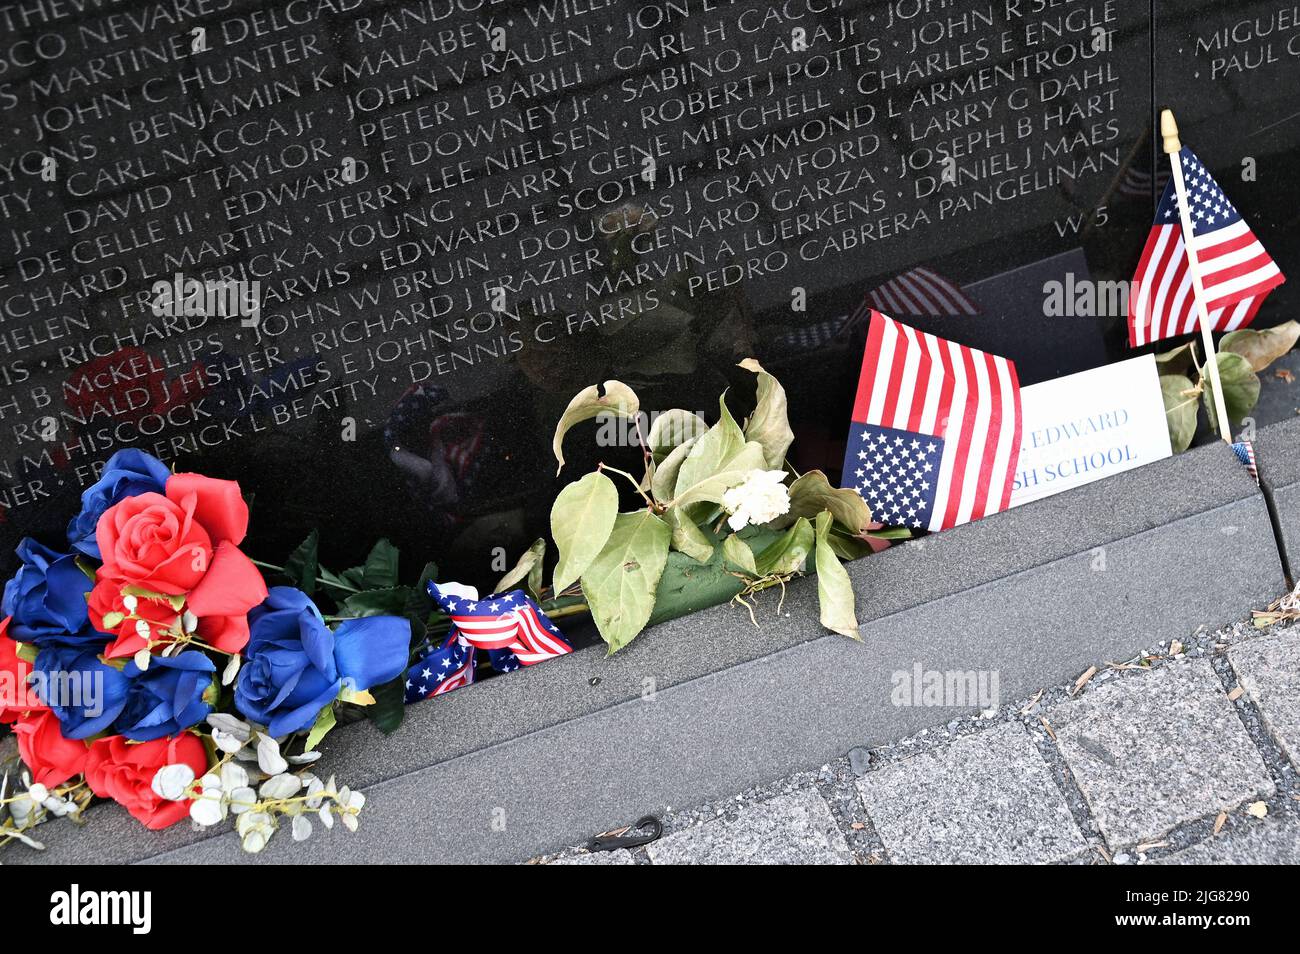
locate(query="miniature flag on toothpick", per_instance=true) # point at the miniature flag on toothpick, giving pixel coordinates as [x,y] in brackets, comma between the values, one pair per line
[1236,272]
[936,429]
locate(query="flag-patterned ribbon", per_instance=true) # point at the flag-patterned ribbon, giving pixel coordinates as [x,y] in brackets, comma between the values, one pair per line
[510,627]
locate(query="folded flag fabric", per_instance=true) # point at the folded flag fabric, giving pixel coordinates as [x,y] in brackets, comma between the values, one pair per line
[510,627]
[1236,271]
[936,429]
[504,621]
[441,670]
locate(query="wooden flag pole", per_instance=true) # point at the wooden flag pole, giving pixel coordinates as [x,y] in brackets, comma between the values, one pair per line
[1173,148]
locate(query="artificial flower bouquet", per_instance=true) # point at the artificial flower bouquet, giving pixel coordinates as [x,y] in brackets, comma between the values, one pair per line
[149,663]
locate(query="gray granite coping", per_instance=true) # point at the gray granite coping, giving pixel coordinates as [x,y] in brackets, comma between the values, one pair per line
[572,747]
[1277,450]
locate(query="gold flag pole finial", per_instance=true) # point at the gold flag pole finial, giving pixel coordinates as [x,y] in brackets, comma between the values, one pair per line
[1169,130]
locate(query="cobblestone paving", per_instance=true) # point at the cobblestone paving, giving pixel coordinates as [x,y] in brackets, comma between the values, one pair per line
[1186,754]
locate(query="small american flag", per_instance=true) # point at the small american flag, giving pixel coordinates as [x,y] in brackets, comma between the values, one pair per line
[504,621]
[1236,271]
[1245,452]
[936,429]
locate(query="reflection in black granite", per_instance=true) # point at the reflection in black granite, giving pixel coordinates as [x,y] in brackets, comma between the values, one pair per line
[461,212]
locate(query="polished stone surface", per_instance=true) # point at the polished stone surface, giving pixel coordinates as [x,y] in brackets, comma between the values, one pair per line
[381,168]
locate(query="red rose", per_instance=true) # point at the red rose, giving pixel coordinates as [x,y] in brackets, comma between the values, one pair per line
[124,772]
[106,599]
[51,758]
[16,697]
[154,543]
[227,633]
[182,542]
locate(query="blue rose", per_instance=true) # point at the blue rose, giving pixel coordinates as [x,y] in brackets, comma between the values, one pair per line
[167,697]
[85,695]
[47,599]
[294,666]
[127,473]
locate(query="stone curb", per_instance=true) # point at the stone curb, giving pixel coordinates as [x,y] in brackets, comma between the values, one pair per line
[708,704]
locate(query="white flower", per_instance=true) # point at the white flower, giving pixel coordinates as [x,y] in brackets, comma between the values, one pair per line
[269,759]
[762,497]
[172,781]
[255,829]
[233,776]
[209,808]
[460,590]
[280,786]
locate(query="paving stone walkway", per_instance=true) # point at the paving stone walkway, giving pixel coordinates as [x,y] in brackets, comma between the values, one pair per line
[1187,754]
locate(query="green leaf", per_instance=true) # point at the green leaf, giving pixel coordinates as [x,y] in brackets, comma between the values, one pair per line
[719,443]
[84,566]
[790,551]
[848,548]
[1261,347]
[386,602]
[618,399]
[419,604]
[737,552]
[718,461]
[302,564]
[581,520]
[324,722]
[620,583]
[834,591]
[529,562]
[389,705]
[1176,360]
[892,533]
[664,479]
[1180,410]
[1240,387]
[380,570]
[672,429]
[812,493]
[769,425]
[687,536]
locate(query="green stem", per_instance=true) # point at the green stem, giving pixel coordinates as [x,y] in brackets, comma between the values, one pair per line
[633,481]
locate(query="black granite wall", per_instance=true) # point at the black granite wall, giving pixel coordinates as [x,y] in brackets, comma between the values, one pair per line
[462,211]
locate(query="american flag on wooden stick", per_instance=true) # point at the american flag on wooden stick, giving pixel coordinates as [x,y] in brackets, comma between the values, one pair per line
[1236,271]
[936,429]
